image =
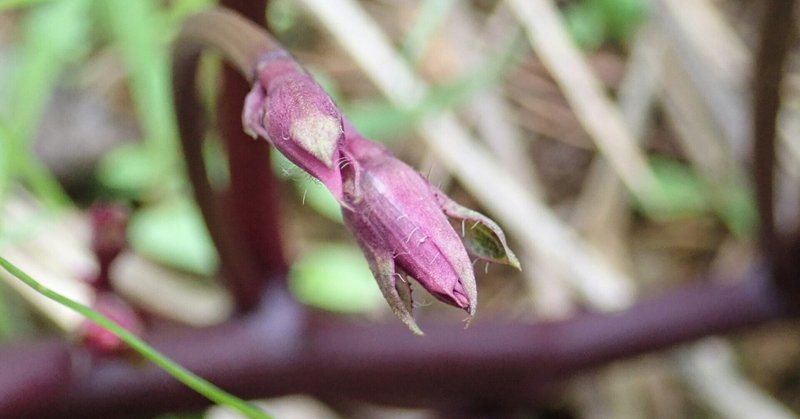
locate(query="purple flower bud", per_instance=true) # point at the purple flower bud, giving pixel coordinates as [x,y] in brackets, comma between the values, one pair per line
[401,228]
[398,218]
[289,109]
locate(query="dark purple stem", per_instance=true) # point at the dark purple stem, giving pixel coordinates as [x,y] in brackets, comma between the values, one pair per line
[275,352]
[247,239]
[252,196]
[777,29]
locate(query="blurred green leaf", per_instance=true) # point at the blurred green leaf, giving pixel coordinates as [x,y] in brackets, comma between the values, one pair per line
[173,233]
[5,160]
[54,36]
[310,190]
[430,17]
[682,193]
[594,22]
[587,24]
[6,320]
[318,197]
[335,278]
[737,209]
[381,120]
[282,15]
[679,192]
[127,170]
[12,4]
[180,9]
[141,30]
[623,17]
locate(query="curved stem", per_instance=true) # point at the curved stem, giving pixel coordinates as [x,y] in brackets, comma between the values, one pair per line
[241,42]
[245,264]
[254,207]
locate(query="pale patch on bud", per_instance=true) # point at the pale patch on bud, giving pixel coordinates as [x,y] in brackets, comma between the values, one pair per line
[319,135]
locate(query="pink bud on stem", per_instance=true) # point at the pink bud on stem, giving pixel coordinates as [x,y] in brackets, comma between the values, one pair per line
[289,109]
[398,218]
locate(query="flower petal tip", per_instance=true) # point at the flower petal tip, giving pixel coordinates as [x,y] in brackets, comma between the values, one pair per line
[319,135]
[512,260]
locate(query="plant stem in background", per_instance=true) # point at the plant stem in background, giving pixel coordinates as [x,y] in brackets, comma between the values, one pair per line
[197,383]
[241,44]
[253,203]
[777,28]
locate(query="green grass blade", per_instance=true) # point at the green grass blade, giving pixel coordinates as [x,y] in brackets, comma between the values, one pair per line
[431,16]
[55,35]
[185,376]
[141,30]
[6,325]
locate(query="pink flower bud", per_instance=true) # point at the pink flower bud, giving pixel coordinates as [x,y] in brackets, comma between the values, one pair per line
[401,228]
[398,218]
[289,109]
[101,340]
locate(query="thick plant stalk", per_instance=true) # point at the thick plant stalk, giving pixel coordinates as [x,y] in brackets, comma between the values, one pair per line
[276,351]
[241,44]
[252,196]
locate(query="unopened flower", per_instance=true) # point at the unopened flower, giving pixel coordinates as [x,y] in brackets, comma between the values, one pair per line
[400,222]
[288,108]
[398,218]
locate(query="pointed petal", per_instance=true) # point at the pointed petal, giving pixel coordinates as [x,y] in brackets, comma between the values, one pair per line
[482,237]
[383,268]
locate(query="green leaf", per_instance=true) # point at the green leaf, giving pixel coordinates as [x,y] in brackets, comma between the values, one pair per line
[335,278]
[13,4]
[283,15]
[173,233]
[311,192]
[55,35]
[737,209]
[7,328]
[127,170]
[318,197]
[142,32]
[623,17]
[587,25]
[430,17]
[183,375]
[382,120]
[679,192]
